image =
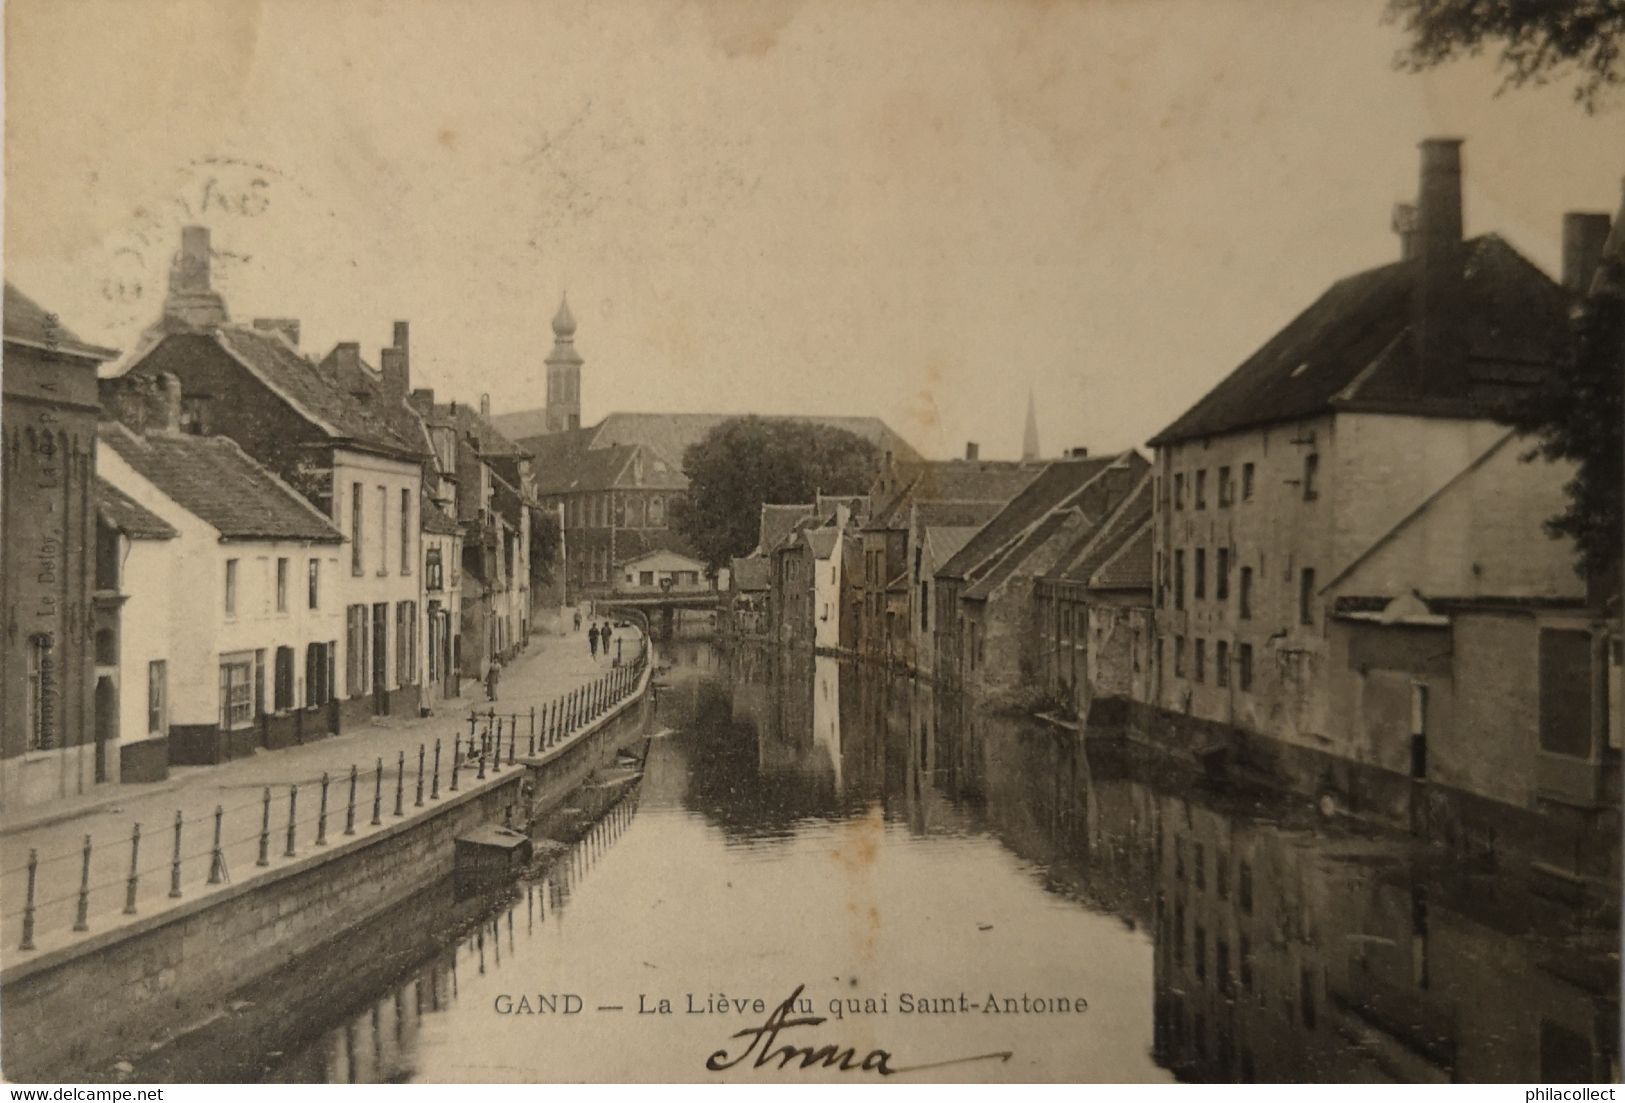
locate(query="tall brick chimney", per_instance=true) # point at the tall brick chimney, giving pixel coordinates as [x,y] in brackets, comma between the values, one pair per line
[392,375]
[1584,235]
[192,303]
[485,406]
[1437,319]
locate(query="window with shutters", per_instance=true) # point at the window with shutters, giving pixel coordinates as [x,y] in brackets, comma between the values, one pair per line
[406,532]
[355,528]
[282,685]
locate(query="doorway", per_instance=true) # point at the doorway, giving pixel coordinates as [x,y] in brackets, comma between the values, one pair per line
[106,723]
[380,659]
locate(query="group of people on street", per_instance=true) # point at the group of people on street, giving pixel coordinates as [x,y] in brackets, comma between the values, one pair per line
[598,639]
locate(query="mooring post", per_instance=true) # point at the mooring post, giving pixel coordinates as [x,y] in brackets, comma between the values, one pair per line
[434,787]
[421,751]
[457,758]
[378,792]
[217,859]
[129,886]
[321,814]
[28,905]
[293,804]
[175,861]
[265,831]
[81,917]
[400,781]
[349,815]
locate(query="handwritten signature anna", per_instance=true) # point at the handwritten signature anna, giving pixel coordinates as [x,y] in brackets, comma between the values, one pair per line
[764,1038]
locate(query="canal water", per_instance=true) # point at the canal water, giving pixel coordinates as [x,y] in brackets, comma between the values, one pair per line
[943,886]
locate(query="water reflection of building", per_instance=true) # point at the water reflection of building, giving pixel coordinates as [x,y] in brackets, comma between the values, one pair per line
[1282,953]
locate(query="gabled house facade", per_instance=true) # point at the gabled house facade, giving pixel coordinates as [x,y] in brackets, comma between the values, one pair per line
[988,639]
[241,593]
[306,426]
[953,493]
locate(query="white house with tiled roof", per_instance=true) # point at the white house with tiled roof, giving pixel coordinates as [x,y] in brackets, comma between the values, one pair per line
[348,455]
[244,594]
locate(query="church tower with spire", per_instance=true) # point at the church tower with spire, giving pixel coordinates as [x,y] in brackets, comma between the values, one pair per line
[1029,439]
[563,373]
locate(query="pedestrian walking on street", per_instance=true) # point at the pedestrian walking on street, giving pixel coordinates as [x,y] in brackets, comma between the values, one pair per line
[592,639]
[492,674]
[578,620]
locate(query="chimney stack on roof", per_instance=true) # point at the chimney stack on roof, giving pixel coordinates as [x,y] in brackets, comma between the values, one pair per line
[288,327]
[485,406]
[1584,236]
[192,302]
[1437,322]
[392,373]
[423,401]
[973,451]
[347,356]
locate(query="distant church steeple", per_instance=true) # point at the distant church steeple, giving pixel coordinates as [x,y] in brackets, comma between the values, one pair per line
[1029,439]
[564,373]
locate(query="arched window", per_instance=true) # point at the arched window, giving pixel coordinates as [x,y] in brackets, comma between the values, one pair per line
[657,511]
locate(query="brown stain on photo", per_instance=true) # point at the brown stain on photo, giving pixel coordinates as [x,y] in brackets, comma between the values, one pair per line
[856,852]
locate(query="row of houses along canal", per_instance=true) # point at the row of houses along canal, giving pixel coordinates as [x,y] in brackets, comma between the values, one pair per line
[809,822]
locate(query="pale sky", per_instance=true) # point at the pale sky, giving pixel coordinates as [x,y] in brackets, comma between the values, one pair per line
[912,210]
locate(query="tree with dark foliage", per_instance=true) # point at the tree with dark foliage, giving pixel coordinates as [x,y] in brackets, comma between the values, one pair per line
[747,461]
[544,546]
[1538,40]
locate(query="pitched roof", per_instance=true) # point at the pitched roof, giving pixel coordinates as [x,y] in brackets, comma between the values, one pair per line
[433,519]
[1085,556]
[469,421]
[632,543]
[822,540]
[1056,528]
[857,505]
[945,540]
[953,480]
[29,323]
[1073,526]
[749,573]
[778,522]
[216,481]
[1129,567]
[1349,349]
[954,514]
[323,399]
[1056,483]
[122,512]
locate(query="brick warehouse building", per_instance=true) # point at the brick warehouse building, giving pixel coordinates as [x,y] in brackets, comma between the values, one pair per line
[48,744]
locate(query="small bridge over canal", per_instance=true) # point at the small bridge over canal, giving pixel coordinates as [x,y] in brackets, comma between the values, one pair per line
[660,609]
